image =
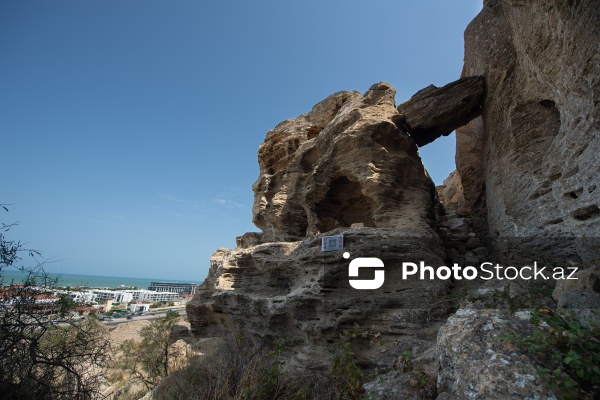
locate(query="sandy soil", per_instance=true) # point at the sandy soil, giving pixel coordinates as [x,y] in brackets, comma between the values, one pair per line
[123,332]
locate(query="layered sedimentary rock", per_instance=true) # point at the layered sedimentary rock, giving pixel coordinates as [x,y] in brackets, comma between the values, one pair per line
[344,163]
[529,168]
[433,112]
[536,145]
[294,290]
[451,192]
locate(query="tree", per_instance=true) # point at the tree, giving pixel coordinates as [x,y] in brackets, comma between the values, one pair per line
[66,304]
[147,360]
[39,360]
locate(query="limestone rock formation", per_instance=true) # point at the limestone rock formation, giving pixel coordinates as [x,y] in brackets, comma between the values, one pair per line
[433,112]
[294,290]
[344,163]
[450,192]
[536,145]
[274,212]
[475,364]
[529,168]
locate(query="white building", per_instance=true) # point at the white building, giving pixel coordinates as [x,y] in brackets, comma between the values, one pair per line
[153,296]
[118,296]
[177,287]
[79,297]
[139,307]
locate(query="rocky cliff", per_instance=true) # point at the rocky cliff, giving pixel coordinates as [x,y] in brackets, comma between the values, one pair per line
[344,168]
[530,164]
[527,166]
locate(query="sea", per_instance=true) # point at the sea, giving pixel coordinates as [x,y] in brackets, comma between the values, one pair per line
[92,281]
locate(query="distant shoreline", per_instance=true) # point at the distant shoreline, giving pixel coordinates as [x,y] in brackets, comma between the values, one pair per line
[92,281]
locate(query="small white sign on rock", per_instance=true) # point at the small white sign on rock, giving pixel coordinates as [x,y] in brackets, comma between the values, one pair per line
[332,243]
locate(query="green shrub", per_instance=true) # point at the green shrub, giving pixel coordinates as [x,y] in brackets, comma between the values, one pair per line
[423,383]
[567,353]
[346,376]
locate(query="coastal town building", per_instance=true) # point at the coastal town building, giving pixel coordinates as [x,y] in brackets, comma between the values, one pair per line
[120,296]
[139,307]
[153,296]
[79,297]
[103,296]
[177,287]
[117,296]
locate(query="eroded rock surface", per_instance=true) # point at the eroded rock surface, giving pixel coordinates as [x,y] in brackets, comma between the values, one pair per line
[451,194]
[294,290]
[344,163]
[433,112]
[528,168]
[536,145]
[476,364]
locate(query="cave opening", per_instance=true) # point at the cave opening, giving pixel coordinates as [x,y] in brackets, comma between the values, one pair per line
[343,205]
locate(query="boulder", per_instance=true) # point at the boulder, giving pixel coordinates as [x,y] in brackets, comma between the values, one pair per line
[474,363]
[475,359]
[583,305]
[579,299]
[584,279]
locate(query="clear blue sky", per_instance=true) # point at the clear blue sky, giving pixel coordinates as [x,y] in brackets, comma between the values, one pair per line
[130,129]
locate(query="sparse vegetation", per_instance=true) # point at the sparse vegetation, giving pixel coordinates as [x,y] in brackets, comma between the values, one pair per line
[422,381]
[346,376]
[235,370]
[40,360]
[231,372]
[567,354]
[147,361]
